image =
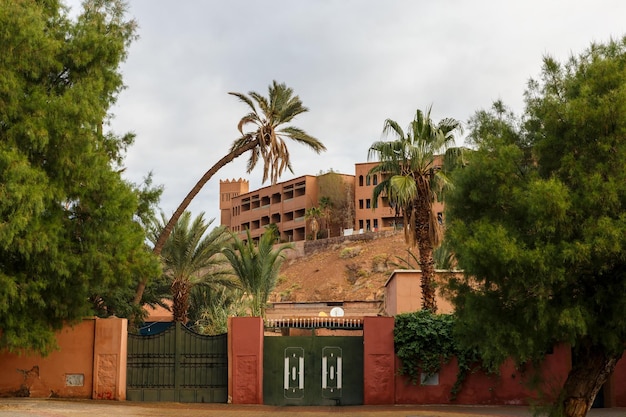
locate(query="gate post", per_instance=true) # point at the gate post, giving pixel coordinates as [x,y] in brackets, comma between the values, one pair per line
[379,361]
[245,360]
[109,359]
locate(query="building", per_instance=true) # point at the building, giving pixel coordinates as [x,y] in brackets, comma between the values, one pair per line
[285,204]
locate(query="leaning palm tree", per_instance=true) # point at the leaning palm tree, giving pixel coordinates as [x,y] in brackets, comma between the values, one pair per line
[413,180]
[265,141]
[257,266]
[191,257]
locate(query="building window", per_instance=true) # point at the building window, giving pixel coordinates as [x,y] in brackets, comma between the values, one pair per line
[368,203]
[375,180]
[361,204]
[360,180]
[361,224]
[367,225]
[367,180]
[375,224]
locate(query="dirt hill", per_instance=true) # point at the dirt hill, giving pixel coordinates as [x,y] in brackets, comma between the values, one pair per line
[347,270]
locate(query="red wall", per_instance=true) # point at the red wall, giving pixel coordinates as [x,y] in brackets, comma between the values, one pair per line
[509,387]
[245,360]
[379,360]
[617,386]
[382,385]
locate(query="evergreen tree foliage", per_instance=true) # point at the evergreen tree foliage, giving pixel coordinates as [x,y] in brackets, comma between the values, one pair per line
[67,218]
[538,223]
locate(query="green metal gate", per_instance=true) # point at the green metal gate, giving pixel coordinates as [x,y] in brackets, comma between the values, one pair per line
[313,370]
[177,365]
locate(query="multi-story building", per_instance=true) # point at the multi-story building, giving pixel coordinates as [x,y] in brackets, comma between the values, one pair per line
[373,215]
[285,204]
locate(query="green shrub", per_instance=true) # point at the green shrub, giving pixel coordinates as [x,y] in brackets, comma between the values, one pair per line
[425,341]
[351,252]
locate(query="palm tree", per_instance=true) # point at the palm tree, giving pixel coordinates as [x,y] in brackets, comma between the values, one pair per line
[265,141]
[210,307]
[257,266]
[192,257]
[412,180]
[312,214]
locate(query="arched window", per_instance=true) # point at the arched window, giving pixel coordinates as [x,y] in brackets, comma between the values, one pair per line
[375,180]
[360,180]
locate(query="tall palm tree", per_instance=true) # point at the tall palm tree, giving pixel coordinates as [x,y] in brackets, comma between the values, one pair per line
[257,266]
[265,141]
[192,257]
[412,180]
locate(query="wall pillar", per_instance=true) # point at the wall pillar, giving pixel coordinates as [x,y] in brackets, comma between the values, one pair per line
[245,360]
[379,361]
[109,359]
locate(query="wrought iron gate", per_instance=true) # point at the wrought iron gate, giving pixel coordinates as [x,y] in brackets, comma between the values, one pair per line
[313,370]
[177,365]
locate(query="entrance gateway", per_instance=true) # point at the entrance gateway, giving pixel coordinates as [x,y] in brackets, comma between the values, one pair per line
[177,365]
[313,370]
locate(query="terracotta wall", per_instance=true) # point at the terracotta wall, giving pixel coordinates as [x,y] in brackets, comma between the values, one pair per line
[110,354]
[90,363]
[404,295]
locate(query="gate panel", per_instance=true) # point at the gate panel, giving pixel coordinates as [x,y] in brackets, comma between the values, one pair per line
[177,365]
[313,370]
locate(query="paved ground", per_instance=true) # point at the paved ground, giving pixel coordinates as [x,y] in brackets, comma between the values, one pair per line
[87,408]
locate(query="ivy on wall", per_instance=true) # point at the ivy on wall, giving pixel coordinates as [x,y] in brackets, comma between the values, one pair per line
[425,341]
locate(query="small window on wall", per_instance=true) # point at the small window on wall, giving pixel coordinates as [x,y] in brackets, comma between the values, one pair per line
[360,224]
[375,180]
[360,180]
[367,180]
[430,379]
[375,224]
[368,225]
[368,203]
[361,204]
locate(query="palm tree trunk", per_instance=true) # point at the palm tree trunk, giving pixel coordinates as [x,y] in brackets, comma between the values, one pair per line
[180,295]
[425,245]
[167,230]
[591,368]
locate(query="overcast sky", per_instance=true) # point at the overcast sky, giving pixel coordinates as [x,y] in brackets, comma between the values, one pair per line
[354,63]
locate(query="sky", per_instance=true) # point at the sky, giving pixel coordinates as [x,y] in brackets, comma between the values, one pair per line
[353,63]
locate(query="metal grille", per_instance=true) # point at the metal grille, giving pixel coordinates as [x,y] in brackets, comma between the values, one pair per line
[316,323]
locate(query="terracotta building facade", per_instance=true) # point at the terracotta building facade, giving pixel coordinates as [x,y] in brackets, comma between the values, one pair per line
[285,204]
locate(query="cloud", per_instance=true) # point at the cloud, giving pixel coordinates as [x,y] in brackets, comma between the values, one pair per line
[354,63]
